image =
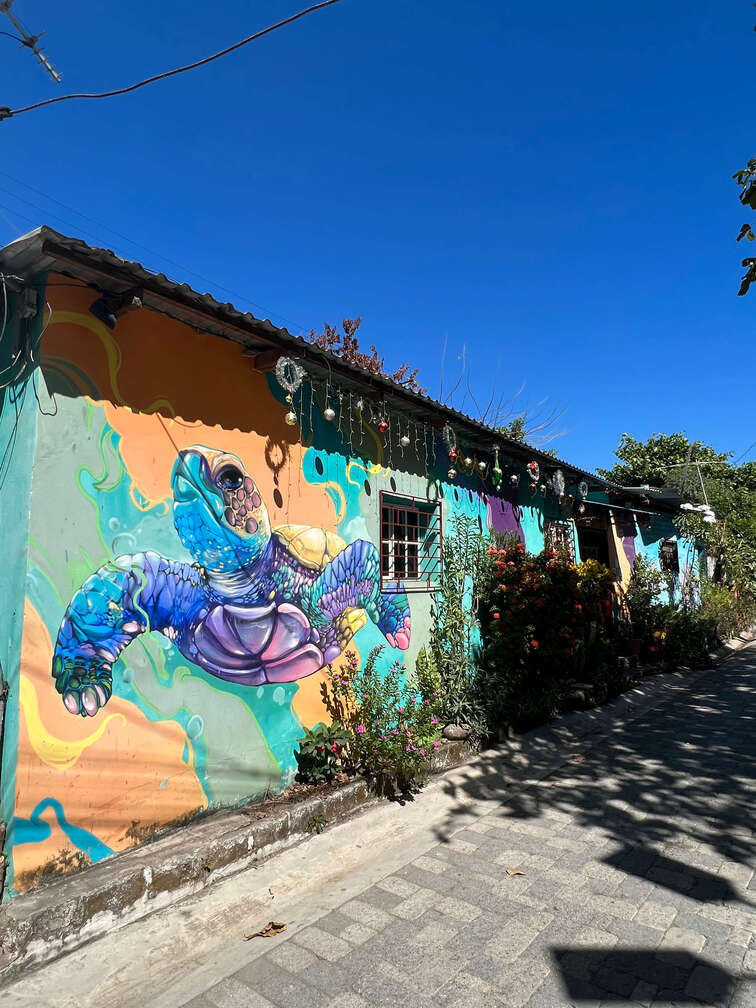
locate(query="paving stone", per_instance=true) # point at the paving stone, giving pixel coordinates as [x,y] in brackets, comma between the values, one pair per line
[656,915]
[398,886]
[433,935]
[680,938]
[323,944]
[366,914]
[291,957]
[643,993]
[235,994]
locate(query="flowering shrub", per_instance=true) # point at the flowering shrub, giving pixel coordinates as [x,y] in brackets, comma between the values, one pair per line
[532,618]
[321,754]
[391,728]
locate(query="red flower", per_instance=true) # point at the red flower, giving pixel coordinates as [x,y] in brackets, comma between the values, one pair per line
[496,615]
[335,747]
[534,643]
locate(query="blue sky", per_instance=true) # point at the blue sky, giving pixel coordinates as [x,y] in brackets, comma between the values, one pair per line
[546,185]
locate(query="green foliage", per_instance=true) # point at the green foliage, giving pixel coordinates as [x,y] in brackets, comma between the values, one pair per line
[649,462]
[454,643]
[689,635]
[533,623]
[391,728]
[642,597]
[321,754]
[746,179]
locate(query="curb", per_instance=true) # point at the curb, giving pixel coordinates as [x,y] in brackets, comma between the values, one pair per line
[59,917]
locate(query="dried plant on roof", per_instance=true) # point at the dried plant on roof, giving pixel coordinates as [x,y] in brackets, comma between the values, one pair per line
[346,346]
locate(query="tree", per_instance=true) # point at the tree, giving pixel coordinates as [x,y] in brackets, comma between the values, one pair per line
[746,179]
[660,460]
[346,346]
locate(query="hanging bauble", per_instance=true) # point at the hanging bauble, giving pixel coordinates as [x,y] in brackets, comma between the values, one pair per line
[542,488]
[329,414]
[514,479]
[453,456]
[291,419]
[496,475]
[404,441]
[468,462]
[534,471]
[581,508]
[570,497]
[583,489]
[557,482]
[452,473]
[450,438]
[482,466]
[383,426]
[288,398]
[289,374]
[533,487]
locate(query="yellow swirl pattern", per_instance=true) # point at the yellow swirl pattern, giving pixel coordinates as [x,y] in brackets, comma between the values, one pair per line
[55,752]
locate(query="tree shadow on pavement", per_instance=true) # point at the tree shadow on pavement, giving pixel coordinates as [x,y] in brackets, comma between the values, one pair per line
[679,775]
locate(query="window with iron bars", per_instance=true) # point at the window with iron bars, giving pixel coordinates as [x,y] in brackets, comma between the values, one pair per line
[411,543]
[560,536]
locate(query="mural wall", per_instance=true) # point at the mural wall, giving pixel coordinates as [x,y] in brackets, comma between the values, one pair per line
[186,564]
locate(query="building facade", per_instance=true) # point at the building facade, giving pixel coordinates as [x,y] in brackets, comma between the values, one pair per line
[199,512]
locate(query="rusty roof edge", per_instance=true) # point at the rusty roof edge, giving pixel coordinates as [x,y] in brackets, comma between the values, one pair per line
[44,247]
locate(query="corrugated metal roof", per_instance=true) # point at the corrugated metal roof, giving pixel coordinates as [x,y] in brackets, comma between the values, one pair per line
[45,249]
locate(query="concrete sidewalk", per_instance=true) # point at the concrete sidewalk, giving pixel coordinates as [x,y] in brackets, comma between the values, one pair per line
[623,876]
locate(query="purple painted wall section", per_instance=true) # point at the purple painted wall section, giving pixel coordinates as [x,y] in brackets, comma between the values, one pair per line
[505,518]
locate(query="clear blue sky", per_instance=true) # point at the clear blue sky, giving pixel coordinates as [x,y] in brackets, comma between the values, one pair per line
[547,184]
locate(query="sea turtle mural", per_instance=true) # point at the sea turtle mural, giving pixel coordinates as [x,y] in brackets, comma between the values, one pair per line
[259,605]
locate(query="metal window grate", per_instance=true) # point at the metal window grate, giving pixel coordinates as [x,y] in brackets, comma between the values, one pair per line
[411,543]
[560,536]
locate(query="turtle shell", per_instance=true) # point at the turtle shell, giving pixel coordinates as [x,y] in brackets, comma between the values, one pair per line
[312,547]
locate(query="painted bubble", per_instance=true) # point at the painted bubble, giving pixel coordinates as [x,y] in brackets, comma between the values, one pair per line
[195,726]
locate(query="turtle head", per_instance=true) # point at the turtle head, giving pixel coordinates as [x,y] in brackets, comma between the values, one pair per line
[217,509]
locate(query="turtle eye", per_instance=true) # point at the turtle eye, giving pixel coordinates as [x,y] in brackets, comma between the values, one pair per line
[229,478]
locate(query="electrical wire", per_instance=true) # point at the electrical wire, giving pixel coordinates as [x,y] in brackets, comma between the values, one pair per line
[6,113]
[157,255]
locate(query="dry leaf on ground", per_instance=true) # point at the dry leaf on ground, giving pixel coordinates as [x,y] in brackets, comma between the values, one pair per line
[513,871]
[269,931]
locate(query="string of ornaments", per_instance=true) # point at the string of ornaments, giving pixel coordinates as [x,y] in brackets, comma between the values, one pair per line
[290,375]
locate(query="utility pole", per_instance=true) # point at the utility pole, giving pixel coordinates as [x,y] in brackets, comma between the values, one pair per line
[28,40]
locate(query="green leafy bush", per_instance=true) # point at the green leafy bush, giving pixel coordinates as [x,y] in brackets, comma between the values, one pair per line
[321,754]
[533,622]
[643,597]
[448,663]
[391,728]
[689,636]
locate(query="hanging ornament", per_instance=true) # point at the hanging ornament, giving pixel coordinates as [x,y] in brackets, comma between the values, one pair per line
[329,414]
[581,508]
[289,375]
[571,497]
[404,441]
[514,479]
[383,425]
[542,488]
[482,466]
[557,482]
[452,473]
[583,489]
[291,419]
[534,471]
[468,462]
[453,455]
[496,473]
[533,487]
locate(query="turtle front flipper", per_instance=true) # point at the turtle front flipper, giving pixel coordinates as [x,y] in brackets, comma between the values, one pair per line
[352,581]
[124,598]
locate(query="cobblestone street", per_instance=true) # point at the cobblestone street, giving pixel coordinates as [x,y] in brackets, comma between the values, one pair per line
[626,880]
[623,878]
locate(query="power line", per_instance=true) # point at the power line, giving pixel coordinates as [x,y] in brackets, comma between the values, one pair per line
[28,40]
[6,113]
[183,269]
